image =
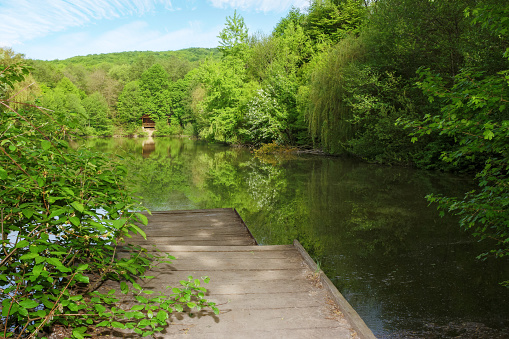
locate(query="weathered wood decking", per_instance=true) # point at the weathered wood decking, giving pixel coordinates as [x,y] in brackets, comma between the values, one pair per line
[261,291]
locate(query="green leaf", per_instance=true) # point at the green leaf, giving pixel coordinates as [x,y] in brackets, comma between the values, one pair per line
[29,256]
[143,323]
[118,223]
[45,144]
[488,134]
[78,332]
[28,212]
[54,261]
[124,288]
[5,308]
[140,231]
[99,308]
[82,267]
[162,315]
[22,243]
[3,173]
[116,324]
[29,303]
[77,206]
[23,311]
[142,218]
[41,313]
[75,221]
[82,278]
[36,271]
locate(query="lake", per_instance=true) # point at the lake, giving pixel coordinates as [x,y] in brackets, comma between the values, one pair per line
[408,272]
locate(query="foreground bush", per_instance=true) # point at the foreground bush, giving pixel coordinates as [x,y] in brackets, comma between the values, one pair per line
[64,216]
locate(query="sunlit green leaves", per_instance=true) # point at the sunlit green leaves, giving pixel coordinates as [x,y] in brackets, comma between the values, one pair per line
[78,206]
[28,303]
[473,113]
[45,144]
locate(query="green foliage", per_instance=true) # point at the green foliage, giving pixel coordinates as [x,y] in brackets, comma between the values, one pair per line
[272,113]
[330,21]
[220,110]
[329,115]
[274,55]
[403,35]
[475,114]
[376,101]
[264,119]
[65,214]
[168,127]
[109,75]
[234,37]
[154,88]
[178,96]
[294,17]
[128,58]
[66,101]
[98,114]
[129,104]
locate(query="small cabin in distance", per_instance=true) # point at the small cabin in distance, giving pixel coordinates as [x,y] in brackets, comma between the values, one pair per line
[147,122]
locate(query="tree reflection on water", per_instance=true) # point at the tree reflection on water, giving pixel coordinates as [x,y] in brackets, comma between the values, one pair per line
[408,272]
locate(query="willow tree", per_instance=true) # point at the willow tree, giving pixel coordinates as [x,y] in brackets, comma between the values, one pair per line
[329,112]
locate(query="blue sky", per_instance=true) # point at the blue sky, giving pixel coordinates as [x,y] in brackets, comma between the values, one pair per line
[59,29]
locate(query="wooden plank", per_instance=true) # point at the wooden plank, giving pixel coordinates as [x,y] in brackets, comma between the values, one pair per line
[281,320]
[359,325]
[197,211]
[245,287]
[205,220]
[261,291]
[195,225]
[232,276]
[276,254]
[199,232]
[259,301]
[189,241]
[205,264]
[191,248]
[212,332]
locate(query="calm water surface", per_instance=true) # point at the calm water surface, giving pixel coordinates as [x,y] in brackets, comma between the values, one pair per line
[407,272]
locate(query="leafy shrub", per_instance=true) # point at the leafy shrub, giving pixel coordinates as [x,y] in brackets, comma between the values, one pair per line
[65,214]
[189,129]
[165,129]
[89,131]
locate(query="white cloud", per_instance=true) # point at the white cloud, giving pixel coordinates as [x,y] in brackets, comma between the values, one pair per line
[60,29]
[22,20]
[137,33]
[260,5]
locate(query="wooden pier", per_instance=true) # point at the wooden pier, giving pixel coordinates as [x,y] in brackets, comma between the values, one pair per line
[261,291]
